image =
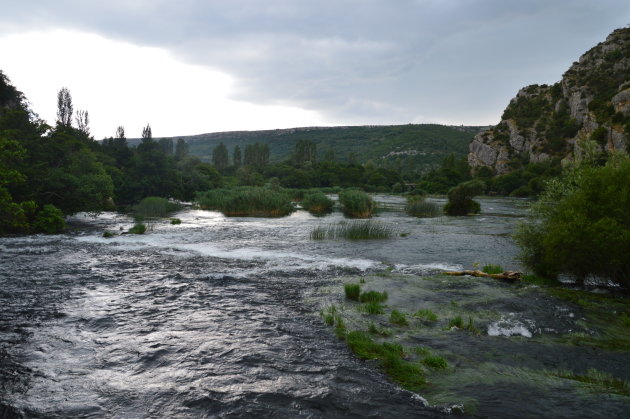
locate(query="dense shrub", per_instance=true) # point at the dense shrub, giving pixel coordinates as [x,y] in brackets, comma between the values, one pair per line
[460,198]
[247,202]
[49,220]
[356,203]
[138,228]
[154,207]
[581,225]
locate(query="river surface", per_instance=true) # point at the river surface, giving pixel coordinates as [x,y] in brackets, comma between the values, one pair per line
[213,317]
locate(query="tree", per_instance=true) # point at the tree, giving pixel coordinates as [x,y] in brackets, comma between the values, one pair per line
[220,157]
[166,144]
[237,157]
[64,107]
[181,148]
[147,136]
[120,132]
[82,119]
[305,151]
[460,198]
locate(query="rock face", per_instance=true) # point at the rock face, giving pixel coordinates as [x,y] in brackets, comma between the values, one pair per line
[592,101]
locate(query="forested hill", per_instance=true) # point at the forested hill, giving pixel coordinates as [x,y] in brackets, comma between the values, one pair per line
[411,148]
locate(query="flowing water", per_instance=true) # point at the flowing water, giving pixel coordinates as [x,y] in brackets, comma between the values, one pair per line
[219,316]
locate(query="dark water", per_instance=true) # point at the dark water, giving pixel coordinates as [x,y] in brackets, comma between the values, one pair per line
[212,317]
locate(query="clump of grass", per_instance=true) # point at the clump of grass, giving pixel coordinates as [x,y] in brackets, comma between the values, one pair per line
[396,317]
[373,296]
[154,207]
[356,230]
[139,228]
[492,269]
[317,203]
[436,362]
[352,291]
[389,355]
[598,378]
[247,202]
[426,314]
[176,221]
[356,204]
[458,322]
[109,234]
[372,307]
[422,351]
[417,206]
[373,329]
[539,280]
[332,318]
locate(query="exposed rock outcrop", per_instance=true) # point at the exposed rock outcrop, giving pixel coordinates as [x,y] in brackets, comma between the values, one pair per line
[542,122]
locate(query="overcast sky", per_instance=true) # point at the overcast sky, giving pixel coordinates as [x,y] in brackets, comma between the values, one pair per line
[194,66]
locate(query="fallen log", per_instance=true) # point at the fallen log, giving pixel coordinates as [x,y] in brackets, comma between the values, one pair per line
[507,275]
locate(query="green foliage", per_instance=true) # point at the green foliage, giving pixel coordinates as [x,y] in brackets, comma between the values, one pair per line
[419,207]
[399,318]
[580,225]
[49,220]
[426,314]
[356,203]
[317,203]
[138,228]
[352,291]
[356,230]
[372,307]
[600,136]
[154,207]
[492,269]
[247,202]
[220,157]
[451,172]
[460,200]
[109,234]
[597,378]
[435,362]
[373,296]
[175,221]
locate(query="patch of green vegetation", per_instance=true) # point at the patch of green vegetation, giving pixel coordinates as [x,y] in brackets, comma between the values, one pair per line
[538,280]
[492,269]
[436,362]
[352,291]
[598,379]
[422,351]
[390,357]
[247,202]
[426,314]
[175,221]
[154,207]
[109,234]
[373,296]
[356,203]
[355,230]
[398,318]
[139,228]
[375,330]
[420,207]
[460,198]
[372,307]
[458,322]
[317,203]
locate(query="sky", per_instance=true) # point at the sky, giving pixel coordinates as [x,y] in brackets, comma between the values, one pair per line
[193,66]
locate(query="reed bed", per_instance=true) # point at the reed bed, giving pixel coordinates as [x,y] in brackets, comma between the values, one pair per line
[419,207]
[356,230]
[154,207]
[356,204]
[317,203]
[247,202]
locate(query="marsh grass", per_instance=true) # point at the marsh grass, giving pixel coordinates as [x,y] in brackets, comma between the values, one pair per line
[317,203]
[426,314]
[599,379]
[458,322]
[372,307]
[419,207]
[373,296]
[355,230]
[109,234]
[175,221]
[436,362]
[356,204]
[247,202]
[154,207]
[492,269]
[352,291]
[398,318]
[375,330]
[540,281]
[138,228]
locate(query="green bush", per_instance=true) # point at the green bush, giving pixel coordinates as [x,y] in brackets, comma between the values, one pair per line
[317,203]
[49,220]
[460,198]
[356,230]
[176,221]
[419,207]
[356,203]
[154,207]
[352,291]
[138,229]
[109,234]
[247,202]
[581,225]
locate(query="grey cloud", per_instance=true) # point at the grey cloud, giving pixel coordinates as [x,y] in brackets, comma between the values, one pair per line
[356,60]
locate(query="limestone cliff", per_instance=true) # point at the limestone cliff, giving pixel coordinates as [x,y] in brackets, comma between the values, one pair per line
[591,101]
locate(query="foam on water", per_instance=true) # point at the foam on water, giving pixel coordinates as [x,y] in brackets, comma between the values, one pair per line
[511,326]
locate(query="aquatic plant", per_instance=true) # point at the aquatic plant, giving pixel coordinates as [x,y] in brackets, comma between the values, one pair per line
[426,314]
[247,202]
[492,269]
[420,207]
[154,207]
[436,362]
[355,230]
[352,291]
[597,378]
[373,296]
[458,322]
[109,234]
[138,228]
[317,203]
[373,329]
[460,198]
[399,318]
[372,307]
[175,221]
[356,203]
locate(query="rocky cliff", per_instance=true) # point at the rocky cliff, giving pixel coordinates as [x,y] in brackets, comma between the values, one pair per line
[591,101]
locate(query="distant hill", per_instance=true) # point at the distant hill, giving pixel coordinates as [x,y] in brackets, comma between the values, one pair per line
[542,122]
[413,147]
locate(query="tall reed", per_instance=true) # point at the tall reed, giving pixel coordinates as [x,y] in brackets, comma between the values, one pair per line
[247,202]
[355,230]
[356,203]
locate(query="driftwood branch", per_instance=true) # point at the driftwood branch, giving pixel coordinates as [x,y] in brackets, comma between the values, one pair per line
[508,275]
